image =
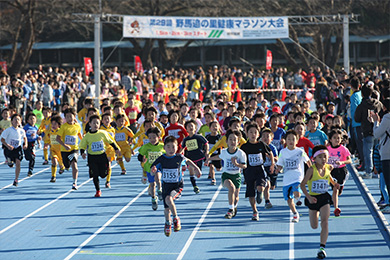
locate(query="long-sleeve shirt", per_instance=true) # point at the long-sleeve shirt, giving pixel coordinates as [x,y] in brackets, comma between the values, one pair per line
[382,132]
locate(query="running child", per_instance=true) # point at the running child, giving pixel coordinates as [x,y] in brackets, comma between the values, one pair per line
[234,159]
[168,169]
[55,147]
[315,135]
[279,133]
[110,151]
[148,153]
[318,199]
[12,139]
[151,114]
[213,138]
[255,176]
[123,136]
[339,156]
[196,148]
[94,141]
[291,160]
[67,138]
[266,137]
[32,136]
[45,127]
[175,129]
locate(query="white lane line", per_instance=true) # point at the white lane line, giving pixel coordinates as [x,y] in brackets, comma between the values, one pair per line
[105,225]
[41,208]
[9,185]
[291,238]
[200,222]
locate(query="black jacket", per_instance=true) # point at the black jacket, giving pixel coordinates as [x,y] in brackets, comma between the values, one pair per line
[362,113]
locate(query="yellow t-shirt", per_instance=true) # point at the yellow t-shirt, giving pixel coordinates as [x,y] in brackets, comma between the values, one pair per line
[45,126]
[69,135]
[319,184]
[94,142]
[4,124]
[222,144]
[142,129]
[122,136]
[111,131]
[142,139]
[54,145]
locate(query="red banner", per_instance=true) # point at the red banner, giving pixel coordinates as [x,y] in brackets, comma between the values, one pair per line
[88,66]
[138,64]
[3,65]
[269,60]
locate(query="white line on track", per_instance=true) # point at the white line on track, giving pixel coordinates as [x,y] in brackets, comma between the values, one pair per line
[9,185]
[41,208]
[200,222]
[105,225]
[291,239]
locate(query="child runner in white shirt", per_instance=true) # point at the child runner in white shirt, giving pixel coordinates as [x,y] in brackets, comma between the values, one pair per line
[291,160]
[234,159]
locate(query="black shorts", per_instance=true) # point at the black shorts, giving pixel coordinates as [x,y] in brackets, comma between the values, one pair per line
[216,163]
[254,179]
[272,177]
[322,200]
[15,154]
[171,189]
[98,165]
[339,175]
[69,157]
[29,152]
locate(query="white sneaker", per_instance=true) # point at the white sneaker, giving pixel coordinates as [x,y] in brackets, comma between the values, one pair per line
[295,218]
[366,176]
[386,209]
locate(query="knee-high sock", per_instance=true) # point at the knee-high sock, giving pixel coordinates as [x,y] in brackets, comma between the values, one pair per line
[108,178]
[46,154]
[121,164]
[53,171]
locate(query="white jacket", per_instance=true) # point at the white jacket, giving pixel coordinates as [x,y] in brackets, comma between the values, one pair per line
[382,132]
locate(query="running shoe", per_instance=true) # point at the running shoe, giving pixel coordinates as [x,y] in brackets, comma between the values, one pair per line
[213,182]
[176,224]
[29,174]
[61,171]
[268,205]
[45,162]
[53,179]
[209,177]
[159,194]
[108,185]
[168,229]
[229,214]
[98,193]
[381,203]
[234,212]
[321,254]
[123,172]
[196,189]
[366,176]
[337,212]
[259,197]
[386,209]
[299,203]
[295,218]
[15,183]
[360,168]
[74,187]
[154,203]
[255,216]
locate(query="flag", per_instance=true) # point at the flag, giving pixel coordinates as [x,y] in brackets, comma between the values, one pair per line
[284,94]
[138,64]
[88,66]
[3,65]
[239,98]
[166,98]
[151,97]
[269,60]
[201,95]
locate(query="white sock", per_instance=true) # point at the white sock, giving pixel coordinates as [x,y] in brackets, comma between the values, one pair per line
[231,207]
[75,181]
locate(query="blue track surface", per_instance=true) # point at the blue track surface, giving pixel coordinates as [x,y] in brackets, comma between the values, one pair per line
[43,220]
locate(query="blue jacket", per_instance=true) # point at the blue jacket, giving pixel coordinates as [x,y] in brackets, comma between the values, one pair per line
[31,132]
[356,99]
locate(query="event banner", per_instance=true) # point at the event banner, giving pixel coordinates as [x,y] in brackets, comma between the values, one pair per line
[88,66]
[268,64]
[227,28]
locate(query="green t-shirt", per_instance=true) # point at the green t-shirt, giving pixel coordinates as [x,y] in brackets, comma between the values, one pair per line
[39,115]
[151,152]
[204,130]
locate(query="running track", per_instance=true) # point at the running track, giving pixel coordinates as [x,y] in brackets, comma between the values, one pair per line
[43,220]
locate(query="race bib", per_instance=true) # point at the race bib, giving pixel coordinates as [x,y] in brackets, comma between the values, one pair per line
[255,159]
[332,161]
[31,133]
[120,137]
[53,139]
[14,143]
[133,115]
[192,145]
[152,156]
[319,186]
[315,141]
[97,146]
[170,175]
[70,140]
[230,166]
[291,164]
[276,143]
[174,133]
